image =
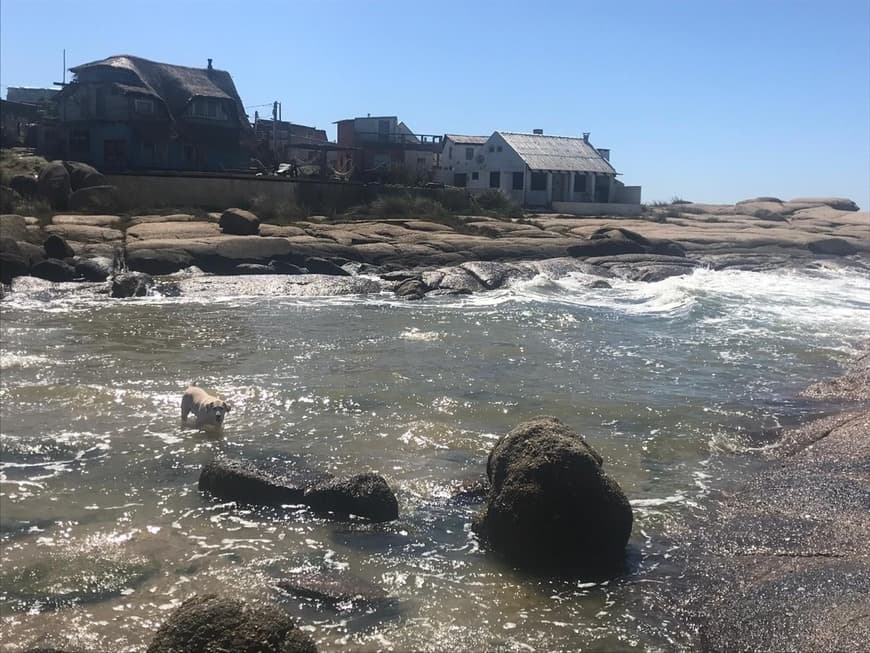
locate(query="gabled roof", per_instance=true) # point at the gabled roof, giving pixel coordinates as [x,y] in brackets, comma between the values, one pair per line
[541,152]
[459,139]
[175,85]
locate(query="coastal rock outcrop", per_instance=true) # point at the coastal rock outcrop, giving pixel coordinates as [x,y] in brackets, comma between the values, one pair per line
[53,269]
[209,623]
[550,505]
[364,495]
[54,184]
[239,222]
[131,284]
[56,247]
[82,175]
[94,198]
[98,268]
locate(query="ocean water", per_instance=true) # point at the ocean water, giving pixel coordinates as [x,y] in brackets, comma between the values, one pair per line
[670,381]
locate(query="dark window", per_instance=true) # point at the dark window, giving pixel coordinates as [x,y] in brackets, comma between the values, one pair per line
[189,153]
[498,149]
[80,141]
[495,179]
[144,106]
[115,153]
[207,108]
[449,152]
[149,152]
[100,107]
[469,153]
[580,183]
[538,181]
[383,130]
[475,176]
[519,180]
[460,179]
[491,148]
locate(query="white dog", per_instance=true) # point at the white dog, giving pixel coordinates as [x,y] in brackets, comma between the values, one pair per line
[208,410]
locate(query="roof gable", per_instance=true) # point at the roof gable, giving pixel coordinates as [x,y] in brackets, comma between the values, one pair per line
[175,85]
[541,152]
[460,139]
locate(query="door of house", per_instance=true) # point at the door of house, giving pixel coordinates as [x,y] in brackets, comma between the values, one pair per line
[115,154]
[558,187]
[460,179]
[602,188]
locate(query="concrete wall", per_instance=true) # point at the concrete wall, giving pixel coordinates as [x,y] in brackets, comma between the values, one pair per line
[591,208]
[628,194]
[155,191]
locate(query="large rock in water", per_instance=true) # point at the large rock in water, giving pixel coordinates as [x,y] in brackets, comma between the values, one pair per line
[54,184]
[53,269]
[239,222]
[56,247]
[551,506]
[234,480]
[131,284]
[364,495]
[208,624]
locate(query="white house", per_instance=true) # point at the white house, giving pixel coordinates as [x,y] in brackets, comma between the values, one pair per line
[562,173]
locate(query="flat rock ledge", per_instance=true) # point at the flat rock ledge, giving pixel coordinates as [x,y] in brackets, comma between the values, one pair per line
[782,562]
[364,495]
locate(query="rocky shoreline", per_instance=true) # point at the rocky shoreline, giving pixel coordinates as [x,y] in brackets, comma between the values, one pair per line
[780,562]
[415,257]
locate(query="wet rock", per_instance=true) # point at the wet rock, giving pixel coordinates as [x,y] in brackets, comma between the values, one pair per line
[551,506]
[600,283]
[54,184]
[470,491]
[832,247]
[68,578]
[239,222]
[317,265]
[56,247]
[53,269]
[98,268]
[81,175]
[33,254]
[235,480]
[159,261]
[131,284]
[283,267]
[411,289]
[854,385]
[94,198]
[12,265]
[253,268]
[208,624]
[458,279]
[334,589]
[364,495]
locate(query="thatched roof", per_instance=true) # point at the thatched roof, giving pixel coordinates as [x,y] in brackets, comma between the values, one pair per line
[175,85]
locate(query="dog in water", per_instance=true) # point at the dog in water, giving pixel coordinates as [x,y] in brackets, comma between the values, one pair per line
[208,410]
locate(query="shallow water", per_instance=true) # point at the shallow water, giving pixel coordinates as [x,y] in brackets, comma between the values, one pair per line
[667,380]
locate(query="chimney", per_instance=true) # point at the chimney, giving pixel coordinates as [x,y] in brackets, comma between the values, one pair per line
[209,65]
[586,136]
[539,132]
[604,152]
[208,71]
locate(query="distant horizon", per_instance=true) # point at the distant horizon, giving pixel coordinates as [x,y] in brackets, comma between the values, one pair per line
[712,103]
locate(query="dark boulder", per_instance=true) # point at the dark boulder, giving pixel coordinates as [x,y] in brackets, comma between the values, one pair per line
[364,495]
[95,198]
[9,246]
[234,480]
[98,268]
[551,506]
[56,247]
[54,184]
[24,185]
[12,265]
[239,222]
[283,267]
[159,261]
[253,268]
[81,175]
[317,265]
[131,284]
[411,289]
[33,254]
[209,623]
[832,247]
[53,269]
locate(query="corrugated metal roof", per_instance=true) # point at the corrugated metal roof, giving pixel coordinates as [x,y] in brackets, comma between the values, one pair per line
[542,152]
[459,139]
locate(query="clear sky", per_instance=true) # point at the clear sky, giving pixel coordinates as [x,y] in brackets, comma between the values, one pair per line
[708,100]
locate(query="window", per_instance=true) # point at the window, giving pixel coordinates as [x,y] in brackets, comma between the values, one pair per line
[149,152]
[80,141]
[518,181]
[115,153]
[475,176]
[144,106]
[449,152]
[498,149]
[495,179]
[580,182]
[538,181]
[189,153]
[491,148]
[208,108]
[469,153]
[460,179]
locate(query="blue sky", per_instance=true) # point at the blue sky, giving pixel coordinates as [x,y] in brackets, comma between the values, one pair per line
[708,100]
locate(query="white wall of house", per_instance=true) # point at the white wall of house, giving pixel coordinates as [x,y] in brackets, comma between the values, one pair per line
[454,160]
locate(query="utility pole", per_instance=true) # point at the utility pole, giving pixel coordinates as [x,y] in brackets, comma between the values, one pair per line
[275,131]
